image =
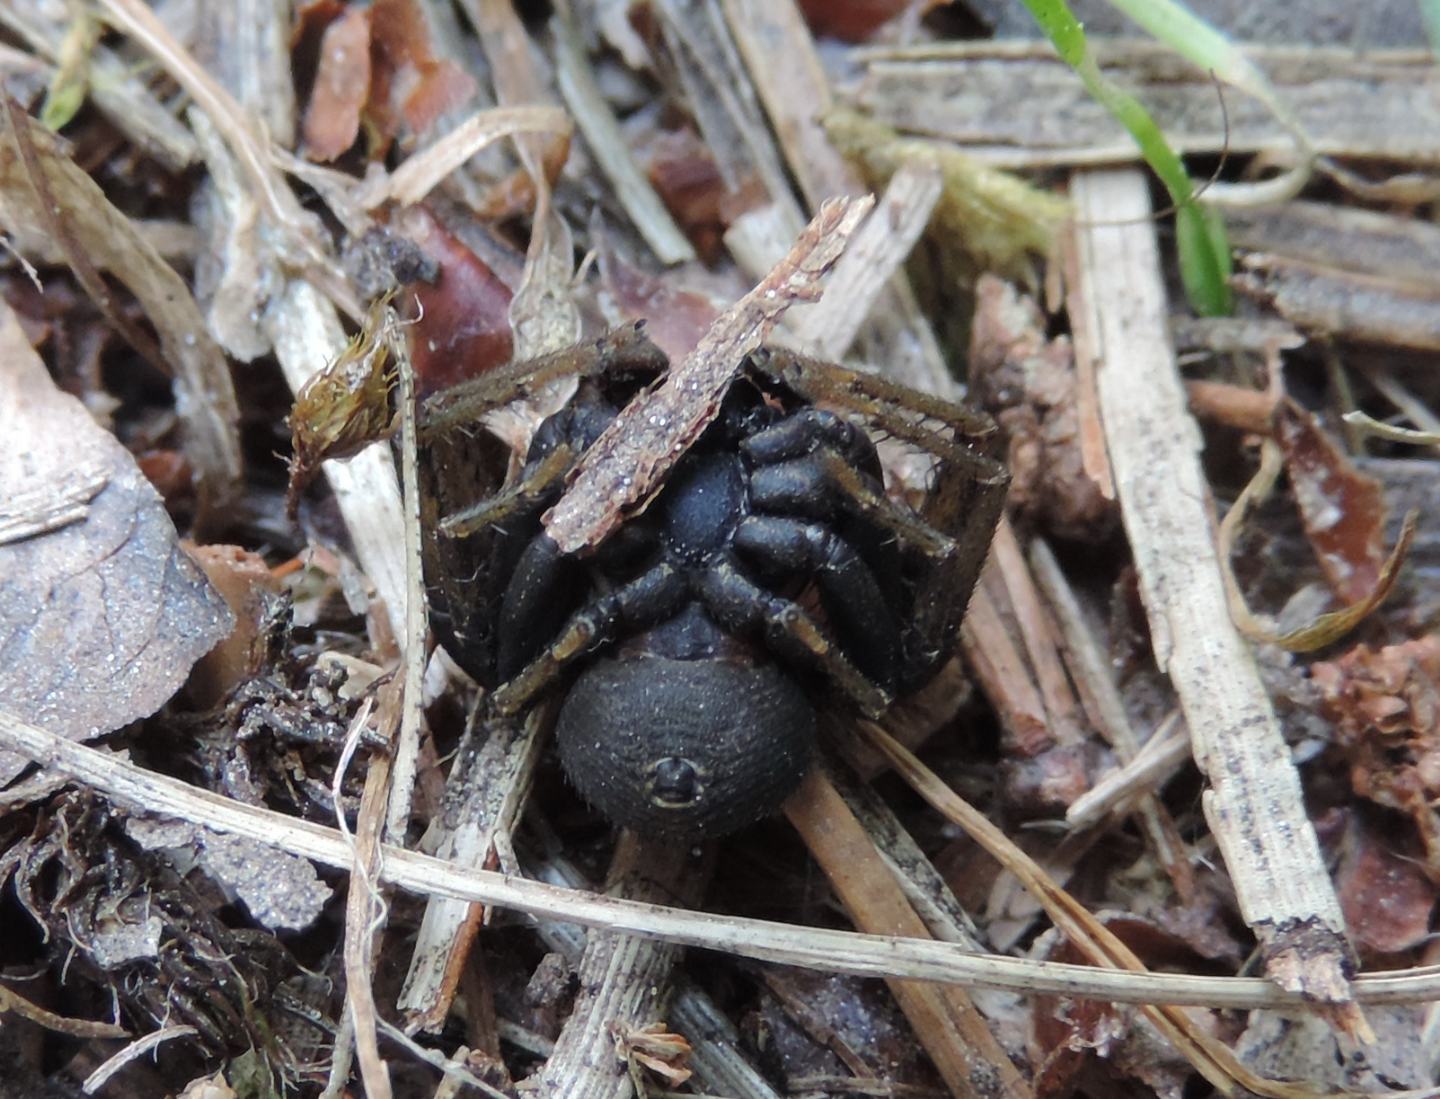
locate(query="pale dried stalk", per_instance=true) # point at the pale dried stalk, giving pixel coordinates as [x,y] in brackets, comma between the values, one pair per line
[423,171]
[483,797]
[624,979]
[1167,750]
[607,144]
[719,1065]
[1107,712]
[1254,806]
[138,790]
[862,275]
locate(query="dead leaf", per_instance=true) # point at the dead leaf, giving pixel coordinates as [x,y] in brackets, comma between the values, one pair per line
[1385,704]
[1386,897]
[43,190]
[461,323]
[1327,628]
[342,86]
[101,619]
[412,86]
[1343,510]
[282,891]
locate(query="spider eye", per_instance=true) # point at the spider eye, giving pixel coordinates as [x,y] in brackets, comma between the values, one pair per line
[674,783]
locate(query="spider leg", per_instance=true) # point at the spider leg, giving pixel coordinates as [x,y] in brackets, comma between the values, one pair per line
[742,606]
[964,502]
[460,406]
[649,599]
[855,606]
[516,499]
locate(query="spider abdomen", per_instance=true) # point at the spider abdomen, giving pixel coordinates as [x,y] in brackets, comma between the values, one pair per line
[691,747]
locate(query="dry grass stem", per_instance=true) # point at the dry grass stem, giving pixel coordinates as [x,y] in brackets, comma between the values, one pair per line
[1208,1056]
[132,1052]
[1167,750]
[423,171]
[834,951]
[603,135]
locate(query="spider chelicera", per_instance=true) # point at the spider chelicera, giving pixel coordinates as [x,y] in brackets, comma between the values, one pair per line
[771,574]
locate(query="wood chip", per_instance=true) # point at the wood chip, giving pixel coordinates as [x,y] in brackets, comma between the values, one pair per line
[632,456]
[983,95]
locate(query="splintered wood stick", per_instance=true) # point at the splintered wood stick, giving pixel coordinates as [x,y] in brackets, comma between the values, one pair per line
[946,1023]
[1254,805]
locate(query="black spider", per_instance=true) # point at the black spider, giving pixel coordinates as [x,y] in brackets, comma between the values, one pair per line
[770,569]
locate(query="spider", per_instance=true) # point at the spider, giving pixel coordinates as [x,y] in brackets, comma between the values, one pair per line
[770,570]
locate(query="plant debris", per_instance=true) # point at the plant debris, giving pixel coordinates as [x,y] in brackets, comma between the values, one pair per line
[1166,825]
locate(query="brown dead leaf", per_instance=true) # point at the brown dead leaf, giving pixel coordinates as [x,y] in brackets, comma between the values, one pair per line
[412,85]
[247,585]
[675,318]
[342,86]
[1386,897]
[1326,629]
[1385,704]
[853,20]
[102,618]
[461,323]
[1343,509]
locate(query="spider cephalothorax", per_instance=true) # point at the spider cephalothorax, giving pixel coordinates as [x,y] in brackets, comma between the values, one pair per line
[769,572]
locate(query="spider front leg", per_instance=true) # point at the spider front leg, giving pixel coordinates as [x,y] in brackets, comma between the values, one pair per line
[963,504]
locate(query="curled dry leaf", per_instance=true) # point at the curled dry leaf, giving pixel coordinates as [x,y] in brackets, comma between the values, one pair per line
[1327,628]
[102,618]
[1385,704]
[1343,509]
